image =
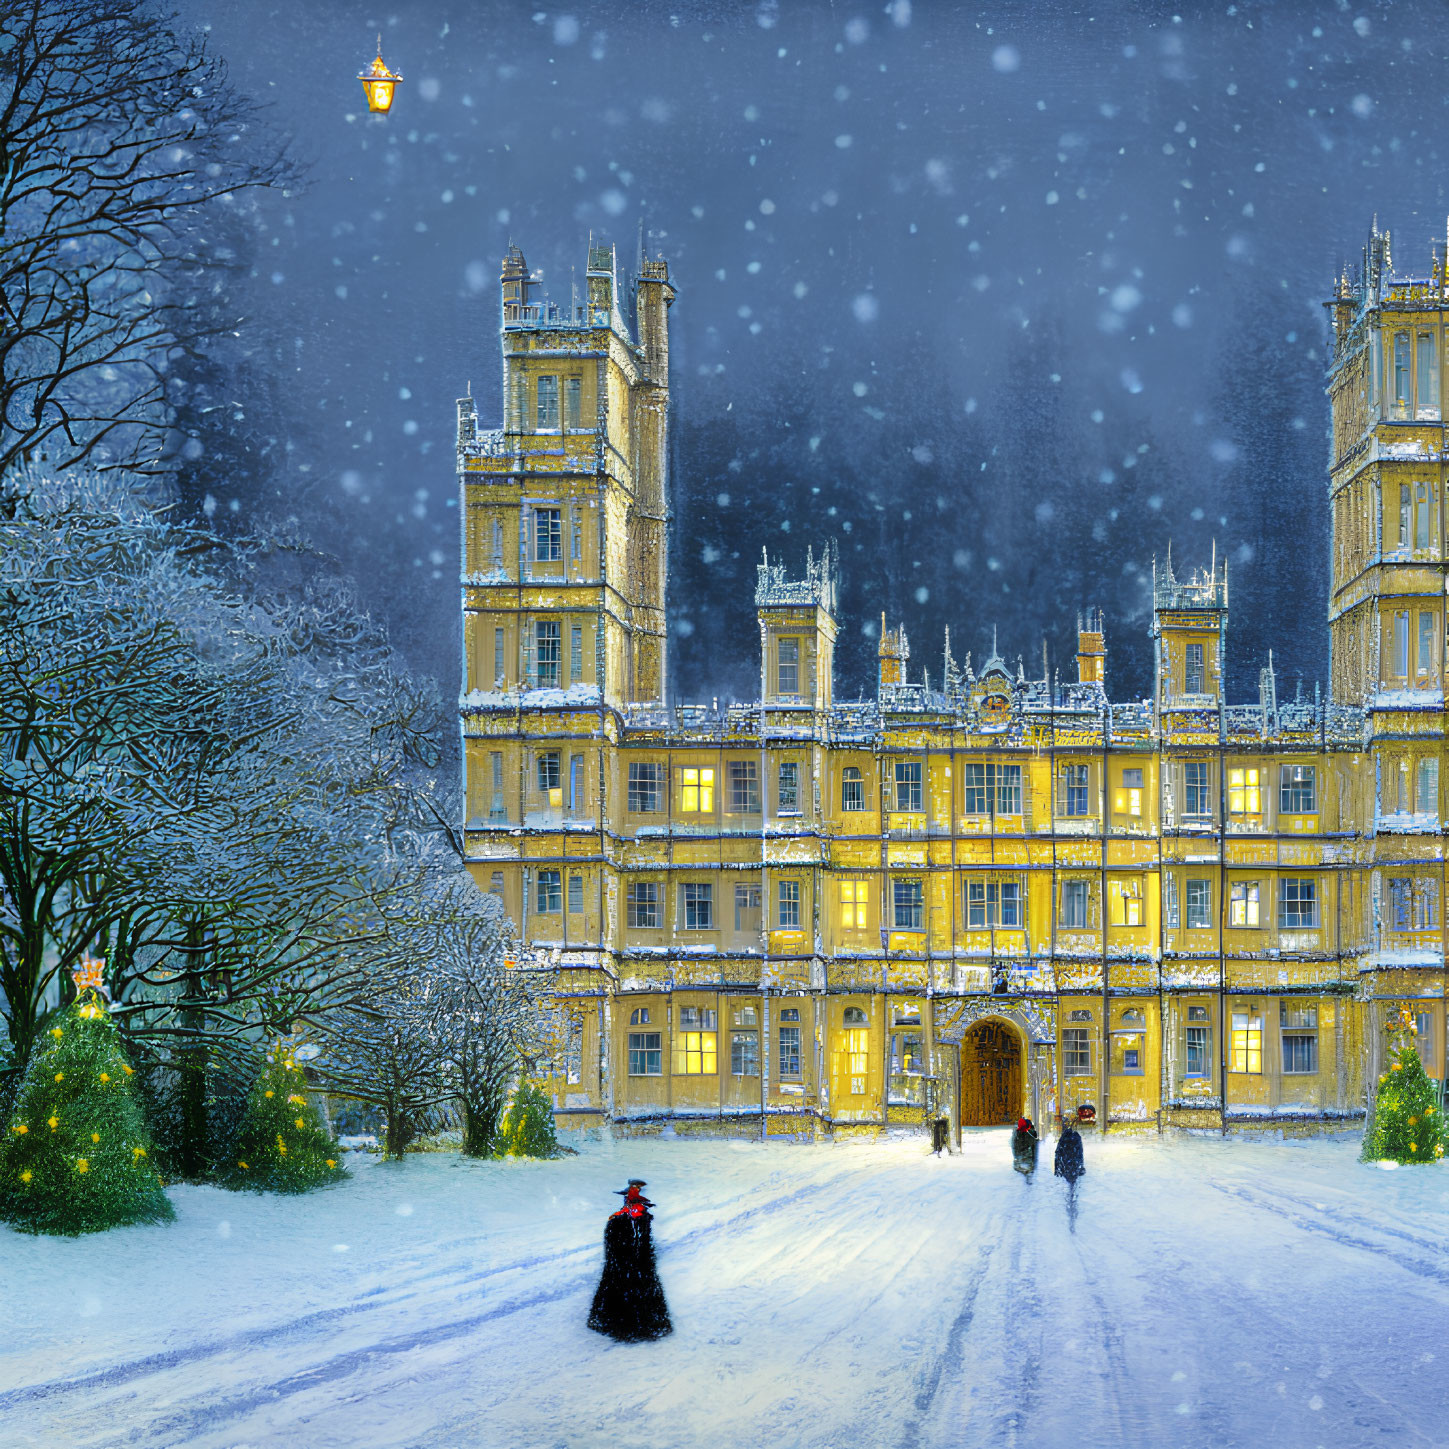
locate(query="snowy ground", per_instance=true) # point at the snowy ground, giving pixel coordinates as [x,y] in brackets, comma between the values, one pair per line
[1210,1294]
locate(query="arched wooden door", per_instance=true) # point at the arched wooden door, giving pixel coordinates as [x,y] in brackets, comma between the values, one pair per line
[990,1075]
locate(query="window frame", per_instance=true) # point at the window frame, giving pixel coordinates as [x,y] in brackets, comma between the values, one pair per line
[908,787]
[696,902]
[852,801]
[1292,898]
[547,535]
[548,893]
[646,783]
[908,895]
[787,666]
[696,789]
[547,654]
[641,898]
[788,900]
[1297,787]
[646,1047]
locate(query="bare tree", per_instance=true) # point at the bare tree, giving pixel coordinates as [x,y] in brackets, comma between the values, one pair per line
[119,139]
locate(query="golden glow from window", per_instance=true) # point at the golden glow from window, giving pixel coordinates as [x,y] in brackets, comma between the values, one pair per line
[696,791]
[694,1053]
[1245,792]
[1247,1043]
[854,901]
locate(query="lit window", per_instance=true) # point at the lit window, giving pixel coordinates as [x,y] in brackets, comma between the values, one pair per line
[696,1042]
[1125,901]
[1129,795]
[1247,1055]
[1243,904]
[547,535]
[852,789]
[788,667]
[908,785]
[696,791]
[1245,792]
[643,905]
[854,903]
[907,1084]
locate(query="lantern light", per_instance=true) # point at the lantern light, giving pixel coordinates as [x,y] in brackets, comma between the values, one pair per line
[378,83]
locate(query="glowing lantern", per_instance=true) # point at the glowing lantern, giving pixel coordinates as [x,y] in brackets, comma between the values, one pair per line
[90,974]
[378,83]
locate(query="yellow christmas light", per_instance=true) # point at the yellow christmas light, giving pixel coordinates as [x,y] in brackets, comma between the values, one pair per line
[331,1162]
[21,1128]
[242,1165]
[127,1070]
[26,1175]
[56,1032]
[82,1165]
[95,1136]
[269,1093]
[138,1153]
[54,1123]
[60,1076]
[299,1122]
[105,1076]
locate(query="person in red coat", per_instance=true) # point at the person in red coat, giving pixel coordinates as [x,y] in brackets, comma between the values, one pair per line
[629,1303]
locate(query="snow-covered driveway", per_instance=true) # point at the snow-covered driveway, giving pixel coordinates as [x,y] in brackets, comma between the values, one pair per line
[1208,1294]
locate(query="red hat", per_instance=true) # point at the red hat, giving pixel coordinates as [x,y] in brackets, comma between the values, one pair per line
[1023,1124]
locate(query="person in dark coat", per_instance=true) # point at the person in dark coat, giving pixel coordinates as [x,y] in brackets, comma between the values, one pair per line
[629,1303]
[1023,1147]
[1069,1161]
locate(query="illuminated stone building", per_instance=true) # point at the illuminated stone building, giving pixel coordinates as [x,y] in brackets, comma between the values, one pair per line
[1005,894]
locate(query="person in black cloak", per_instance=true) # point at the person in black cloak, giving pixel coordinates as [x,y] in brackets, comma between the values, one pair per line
[1023,1146]
[629,1303]
[1069,1162]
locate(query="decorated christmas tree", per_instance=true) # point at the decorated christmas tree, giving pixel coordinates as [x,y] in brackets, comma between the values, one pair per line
[1408,1122]
[528,1129]
[281,1145]
[76,1156]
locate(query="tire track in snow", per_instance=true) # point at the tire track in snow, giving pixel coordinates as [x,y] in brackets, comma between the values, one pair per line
[1418,1267]
[153,1365]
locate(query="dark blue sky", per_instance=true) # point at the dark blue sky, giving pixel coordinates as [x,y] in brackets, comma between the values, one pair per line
[1002,298]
